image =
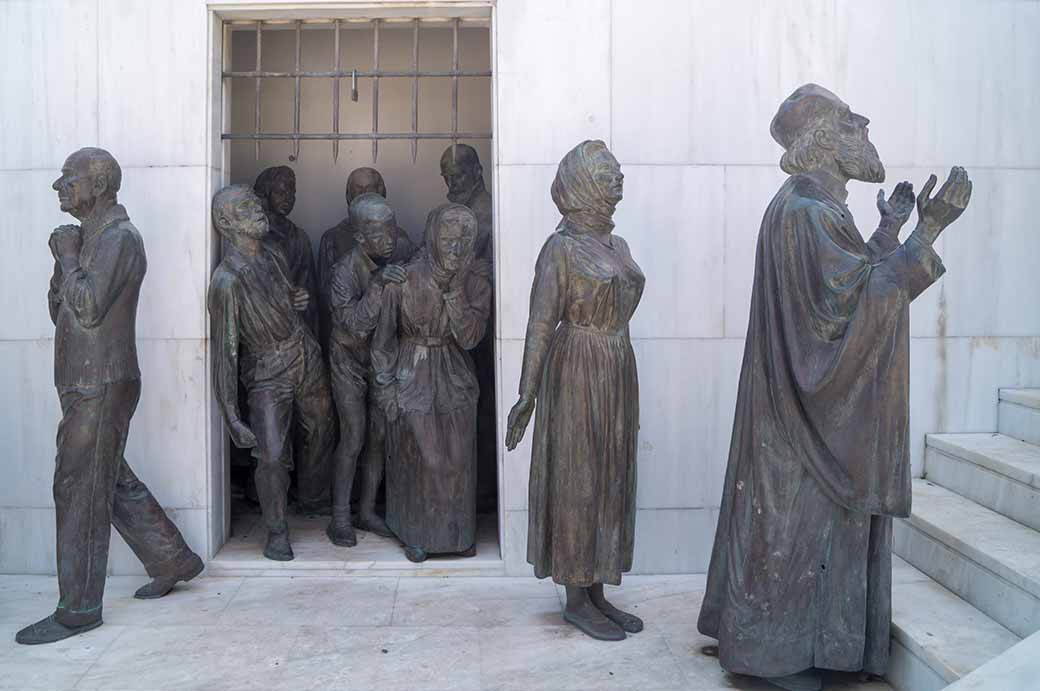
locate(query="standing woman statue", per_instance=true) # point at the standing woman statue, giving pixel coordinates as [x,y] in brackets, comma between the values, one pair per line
[579,366]
[426,383]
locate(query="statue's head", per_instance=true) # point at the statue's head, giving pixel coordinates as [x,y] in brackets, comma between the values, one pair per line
[375,227]
[363,180]
[237,211]
[589,179]
[87,176]
[462,172]
[819,130]
[276,187]
[451,235]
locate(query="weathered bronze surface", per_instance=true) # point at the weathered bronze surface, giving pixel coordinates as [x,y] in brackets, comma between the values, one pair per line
[800,572]
[464,177]
[260,339]
[356,296]
[99,266]
[427,386]
[580,368]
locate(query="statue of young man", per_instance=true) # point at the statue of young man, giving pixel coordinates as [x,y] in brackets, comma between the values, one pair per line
[464,177]
[338,241]
[260,339]
[98,269]
[800,575]
[356,293]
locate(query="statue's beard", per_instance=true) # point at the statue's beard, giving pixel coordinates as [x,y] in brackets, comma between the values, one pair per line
[859,160]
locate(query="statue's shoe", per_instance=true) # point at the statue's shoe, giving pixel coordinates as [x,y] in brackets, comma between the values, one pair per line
[50,630]
[594,624]
[629,622]
[415,554]
[161,585]
[341,533]
[809,680]
[471,552]
[372,523]
[278,547]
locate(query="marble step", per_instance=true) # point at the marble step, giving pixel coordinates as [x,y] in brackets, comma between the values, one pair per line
[995,470]
[937,638]
[1017,668]
[987,559]
[1018,414]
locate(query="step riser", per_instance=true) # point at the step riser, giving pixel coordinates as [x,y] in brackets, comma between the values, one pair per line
[908,672]
[1014,499]
[1006,603]
[1019,422]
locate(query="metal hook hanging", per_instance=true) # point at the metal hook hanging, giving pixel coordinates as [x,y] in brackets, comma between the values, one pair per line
[353,85]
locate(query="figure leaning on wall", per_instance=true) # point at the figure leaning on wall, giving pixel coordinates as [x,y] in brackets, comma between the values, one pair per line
[99,266]
[260,339]
[801,570]
[580,368]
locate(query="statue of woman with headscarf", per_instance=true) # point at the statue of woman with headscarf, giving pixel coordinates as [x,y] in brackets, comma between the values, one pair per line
[425,381]
[580,368]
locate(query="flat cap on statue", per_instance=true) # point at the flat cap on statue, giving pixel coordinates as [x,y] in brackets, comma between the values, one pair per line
[807,103]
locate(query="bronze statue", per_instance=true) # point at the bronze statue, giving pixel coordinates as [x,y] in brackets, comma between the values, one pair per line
[800,574]
[99,266]
[260,338]
[355,296]
[338,241]
[426,325]
[464,177]
[580,368]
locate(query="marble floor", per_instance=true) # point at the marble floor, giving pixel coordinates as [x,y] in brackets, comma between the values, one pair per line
[343,632]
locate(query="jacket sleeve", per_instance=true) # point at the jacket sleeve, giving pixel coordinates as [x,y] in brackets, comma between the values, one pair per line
[548,296]
[354,310]
[223,312]
[90,293]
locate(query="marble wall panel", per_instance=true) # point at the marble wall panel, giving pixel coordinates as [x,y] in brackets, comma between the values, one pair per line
[514,543]
[27,536]
[153,81]
[50,52]
[674,540]
[553,78]
[515,465]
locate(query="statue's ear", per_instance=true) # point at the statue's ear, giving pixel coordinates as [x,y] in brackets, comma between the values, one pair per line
[824,139]
[100,184]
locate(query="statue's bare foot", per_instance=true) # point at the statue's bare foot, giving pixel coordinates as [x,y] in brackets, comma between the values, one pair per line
[278,547]
[629,622]
[371,523]
[341,533]
[808,680]
[593,623]
[49,630]
[414,554]
[161,585]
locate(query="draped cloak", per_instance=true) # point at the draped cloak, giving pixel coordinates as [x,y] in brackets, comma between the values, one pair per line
[800,571]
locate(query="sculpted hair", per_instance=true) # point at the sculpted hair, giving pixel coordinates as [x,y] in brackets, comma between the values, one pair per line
[805,154]
[100,162]
[370,206]
[464,154]
[269,176]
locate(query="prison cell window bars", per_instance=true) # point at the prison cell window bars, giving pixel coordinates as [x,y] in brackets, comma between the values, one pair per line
[336,74]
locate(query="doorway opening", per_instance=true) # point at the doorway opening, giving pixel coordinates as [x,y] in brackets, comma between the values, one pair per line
[325,97]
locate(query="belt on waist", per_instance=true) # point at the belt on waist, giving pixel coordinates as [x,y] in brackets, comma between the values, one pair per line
[612,333]
[286,344]
[426,340]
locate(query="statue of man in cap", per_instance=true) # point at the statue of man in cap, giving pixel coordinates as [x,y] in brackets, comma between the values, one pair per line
[99,266]
[800,575]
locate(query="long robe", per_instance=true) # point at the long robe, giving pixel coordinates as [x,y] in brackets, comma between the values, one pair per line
[800,571]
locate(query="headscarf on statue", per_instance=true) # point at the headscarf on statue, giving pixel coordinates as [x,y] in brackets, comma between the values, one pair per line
[578,195]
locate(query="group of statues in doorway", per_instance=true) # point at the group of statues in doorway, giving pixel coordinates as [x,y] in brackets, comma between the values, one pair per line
[376,338]
[800,573]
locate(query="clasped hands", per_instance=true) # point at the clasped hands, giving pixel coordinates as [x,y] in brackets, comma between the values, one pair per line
[934,214]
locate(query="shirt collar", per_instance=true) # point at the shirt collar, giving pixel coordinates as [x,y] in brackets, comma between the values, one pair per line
[93,225]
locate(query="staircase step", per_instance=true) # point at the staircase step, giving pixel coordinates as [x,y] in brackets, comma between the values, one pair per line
[988,559]
[997,471]
[1018,414]
[937,637]
[1017,668]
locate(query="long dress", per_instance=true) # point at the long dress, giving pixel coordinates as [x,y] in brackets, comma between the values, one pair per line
[800,572]
[431,467]
[582,503]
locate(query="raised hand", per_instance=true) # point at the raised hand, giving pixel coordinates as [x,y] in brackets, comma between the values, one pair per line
[301,299]
[394,273]
[65,241]
[936,213]
[519,417]
[896,210]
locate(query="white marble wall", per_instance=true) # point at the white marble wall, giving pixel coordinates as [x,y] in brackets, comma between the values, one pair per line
[682,91]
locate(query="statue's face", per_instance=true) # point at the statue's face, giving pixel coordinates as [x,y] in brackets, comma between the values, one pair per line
[75,187]
[365,181]
[855,155]
[608,176]
[461,176]
[282,197]
[454,240]
[248,217]
[378,238]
